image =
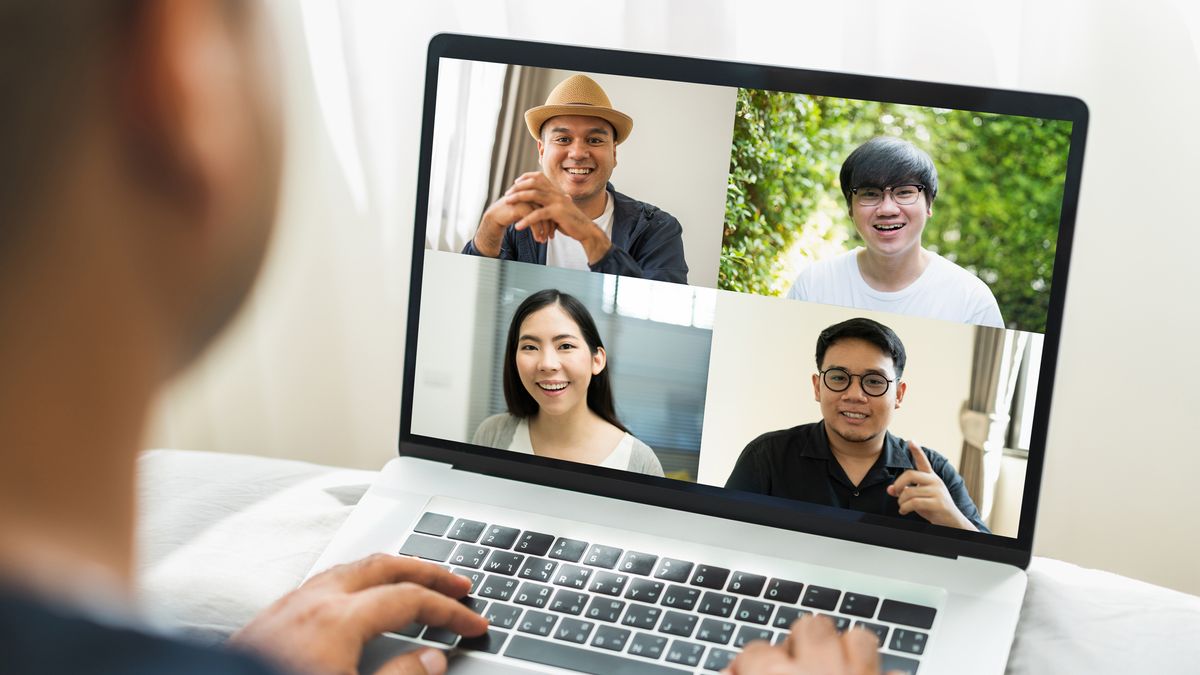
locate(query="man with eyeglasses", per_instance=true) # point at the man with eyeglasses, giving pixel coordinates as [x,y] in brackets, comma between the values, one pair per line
[849,459]
[890,185]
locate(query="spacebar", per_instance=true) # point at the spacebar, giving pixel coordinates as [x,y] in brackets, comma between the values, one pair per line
[574,658]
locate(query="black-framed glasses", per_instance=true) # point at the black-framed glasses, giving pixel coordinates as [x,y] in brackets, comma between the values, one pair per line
[869,195]
[839,379]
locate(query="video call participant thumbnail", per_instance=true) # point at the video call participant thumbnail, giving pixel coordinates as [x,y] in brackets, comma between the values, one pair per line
[568,215]
[557,390]
[849,459]
[890,185]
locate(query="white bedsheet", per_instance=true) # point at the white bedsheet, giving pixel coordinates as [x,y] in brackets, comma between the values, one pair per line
[222,536]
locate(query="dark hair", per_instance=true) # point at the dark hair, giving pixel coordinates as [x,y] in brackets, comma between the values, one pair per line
[886,160]
[599,393]
[863,329]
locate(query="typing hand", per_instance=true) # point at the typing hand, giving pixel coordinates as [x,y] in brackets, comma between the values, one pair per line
[813,648]
[921,490]
[322,626]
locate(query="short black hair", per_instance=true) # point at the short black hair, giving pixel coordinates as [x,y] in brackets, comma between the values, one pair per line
[884,161]
[863,329]
[599,393]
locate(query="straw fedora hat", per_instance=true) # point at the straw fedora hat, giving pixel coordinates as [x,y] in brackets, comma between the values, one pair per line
[578,95]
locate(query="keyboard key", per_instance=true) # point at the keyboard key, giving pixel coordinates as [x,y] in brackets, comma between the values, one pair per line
[570,657]
[500,536]
[784,591]
[603,556]
[708,576]
[412,630]
[468,555]
[647,645]
[715,630]
[497,587]
[433,523]
[503,562]
[674,570]
[537,623]
[474,604]
[645,590]
[909,641]
[890,662]
[568,602]
[538,569]
[755,611]
[605,609]
[637,563]
[687,653]
[718,659]
[717,604]
[611,637]
[680,597]
[749,634]
[572,576]
[879,631]
[608,583]
[641,616]
[746,584]
[420,546]
[502,616]
[441,635]
[534,543]
[574,630]
[678,623]
[917,616]
[786,616]
[474,575]
[570,550]
[533,595]
[466,530]
[820,597]
[841,623]
[857,604]
[490,642]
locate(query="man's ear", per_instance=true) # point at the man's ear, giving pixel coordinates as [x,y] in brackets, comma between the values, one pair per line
[599,361]
[901,387]
[541,149]
[816,386]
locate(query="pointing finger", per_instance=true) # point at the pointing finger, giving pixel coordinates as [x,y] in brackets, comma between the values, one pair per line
[919,459]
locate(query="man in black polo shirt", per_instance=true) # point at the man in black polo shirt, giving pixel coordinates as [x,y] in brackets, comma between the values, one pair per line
[849,460]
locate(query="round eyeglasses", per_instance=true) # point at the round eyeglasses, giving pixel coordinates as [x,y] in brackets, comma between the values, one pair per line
[868,195]
[838,379]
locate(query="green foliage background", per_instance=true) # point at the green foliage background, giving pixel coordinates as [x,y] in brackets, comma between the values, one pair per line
[997,211]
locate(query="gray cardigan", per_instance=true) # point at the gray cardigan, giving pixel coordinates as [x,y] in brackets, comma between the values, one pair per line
[497,431]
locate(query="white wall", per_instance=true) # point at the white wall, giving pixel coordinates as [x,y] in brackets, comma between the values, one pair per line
[311,370]
[760,377]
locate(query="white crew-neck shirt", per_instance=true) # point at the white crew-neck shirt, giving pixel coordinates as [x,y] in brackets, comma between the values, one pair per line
[943,291]
[617,459]
[563,251]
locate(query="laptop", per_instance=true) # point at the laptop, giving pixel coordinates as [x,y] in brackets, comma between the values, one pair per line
[686,541]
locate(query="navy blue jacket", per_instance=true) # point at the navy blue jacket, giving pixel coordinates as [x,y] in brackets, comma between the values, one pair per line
[647,243]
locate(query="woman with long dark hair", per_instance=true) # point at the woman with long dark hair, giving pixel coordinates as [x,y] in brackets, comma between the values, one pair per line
[558,393]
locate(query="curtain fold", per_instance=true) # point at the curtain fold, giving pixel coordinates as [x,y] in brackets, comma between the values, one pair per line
[515,151]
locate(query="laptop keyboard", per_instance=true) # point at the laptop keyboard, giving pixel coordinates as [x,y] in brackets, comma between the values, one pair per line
[597,608]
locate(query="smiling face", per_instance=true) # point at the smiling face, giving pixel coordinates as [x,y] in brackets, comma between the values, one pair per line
[578,154]
[554,362]
[851,415]
[891,229]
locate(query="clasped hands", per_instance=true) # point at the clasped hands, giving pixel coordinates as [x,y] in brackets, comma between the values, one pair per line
[535,203]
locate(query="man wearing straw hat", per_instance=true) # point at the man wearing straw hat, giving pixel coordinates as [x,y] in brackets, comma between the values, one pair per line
[567,214]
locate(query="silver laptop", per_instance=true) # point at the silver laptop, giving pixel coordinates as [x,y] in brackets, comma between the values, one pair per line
[696,481]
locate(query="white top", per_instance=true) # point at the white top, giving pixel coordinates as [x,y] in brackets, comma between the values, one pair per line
[563,251]
[617,459]
[943,291]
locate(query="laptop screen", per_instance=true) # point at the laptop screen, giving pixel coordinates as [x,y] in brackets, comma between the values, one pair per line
[832,295]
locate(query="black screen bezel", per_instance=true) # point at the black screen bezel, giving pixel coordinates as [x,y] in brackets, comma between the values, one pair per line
[710,500]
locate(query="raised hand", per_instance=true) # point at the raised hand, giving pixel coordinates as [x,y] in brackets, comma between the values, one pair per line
[922,491]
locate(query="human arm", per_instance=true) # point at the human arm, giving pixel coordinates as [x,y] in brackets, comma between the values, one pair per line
[654,249]
[814,647]
[922,491]
[322,626]
[750,473]
[492,237]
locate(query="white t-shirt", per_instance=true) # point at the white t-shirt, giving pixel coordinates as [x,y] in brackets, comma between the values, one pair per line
[563,251]
[943,291]
[617,459]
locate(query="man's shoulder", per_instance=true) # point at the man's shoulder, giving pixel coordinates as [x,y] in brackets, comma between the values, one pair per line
[778,441]
[38,638]
[628,208]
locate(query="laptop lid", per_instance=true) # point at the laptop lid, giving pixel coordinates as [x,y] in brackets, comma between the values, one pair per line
[743,222]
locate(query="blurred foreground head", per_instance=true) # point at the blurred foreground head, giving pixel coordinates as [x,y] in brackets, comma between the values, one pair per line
[140,168]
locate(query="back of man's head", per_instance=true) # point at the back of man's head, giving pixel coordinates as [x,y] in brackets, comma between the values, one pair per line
[867,330]
[886,161]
